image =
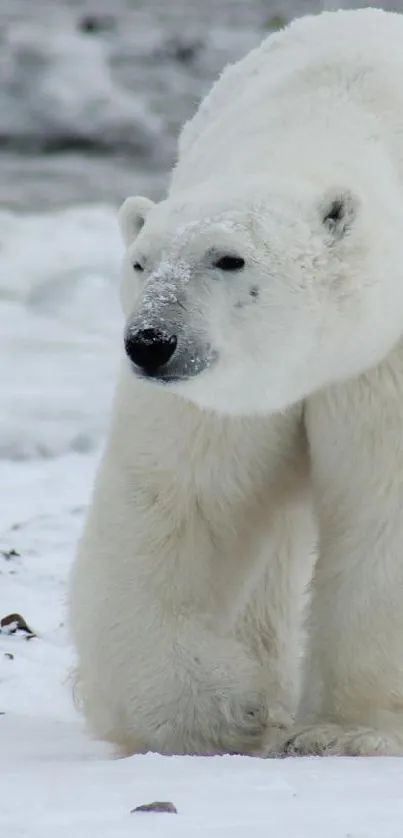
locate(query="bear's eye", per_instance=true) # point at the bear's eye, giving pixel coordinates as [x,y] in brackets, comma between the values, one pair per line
[138,267]
[230,263]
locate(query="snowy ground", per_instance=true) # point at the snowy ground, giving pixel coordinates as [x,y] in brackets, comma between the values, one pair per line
[59,333]
[59,328]
[54,781]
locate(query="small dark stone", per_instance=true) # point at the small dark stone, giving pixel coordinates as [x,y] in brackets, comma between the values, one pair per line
[15,624]
[10,554]
[157,806]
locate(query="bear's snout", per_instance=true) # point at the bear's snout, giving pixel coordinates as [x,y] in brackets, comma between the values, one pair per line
[150,349]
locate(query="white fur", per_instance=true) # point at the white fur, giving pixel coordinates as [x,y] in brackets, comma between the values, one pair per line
[354,673]
[189,581]
[193,517]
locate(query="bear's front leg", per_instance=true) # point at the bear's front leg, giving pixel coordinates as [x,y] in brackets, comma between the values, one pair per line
[353,695]
[177,527]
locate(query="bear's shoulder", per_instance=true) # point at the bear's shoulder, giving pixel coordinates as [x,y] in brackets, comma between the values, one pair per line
[345,38]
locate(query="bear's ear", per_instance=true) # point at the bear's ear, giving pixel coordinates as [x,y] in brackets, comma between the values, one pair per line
[131,217]
[338,209]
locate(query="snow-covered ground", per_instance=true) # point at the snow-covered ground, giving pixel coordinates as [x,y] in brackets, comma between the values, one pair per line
[54,781]
[59,338]
[59,328]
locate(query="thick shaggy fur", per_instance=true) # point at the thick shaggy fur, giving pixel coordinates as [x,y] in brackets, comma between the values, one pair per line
[280,411]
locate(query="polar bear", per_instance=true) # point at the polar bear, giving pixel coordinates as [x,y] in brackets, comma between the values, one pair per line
[259,406]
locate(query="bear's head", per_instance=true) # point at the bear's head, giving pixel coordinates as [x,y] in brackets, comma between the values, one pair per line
[245,300]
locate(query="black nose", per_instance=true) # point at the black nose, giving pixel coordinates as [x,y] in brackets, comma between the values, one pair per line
[150,349]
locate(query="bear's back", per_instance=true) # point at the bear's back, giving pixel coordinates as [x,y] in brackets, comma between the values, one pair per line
[316,69]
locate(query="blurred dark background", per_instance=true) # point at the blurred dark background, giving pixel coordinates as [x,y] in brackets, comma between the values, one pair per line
[92,94]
